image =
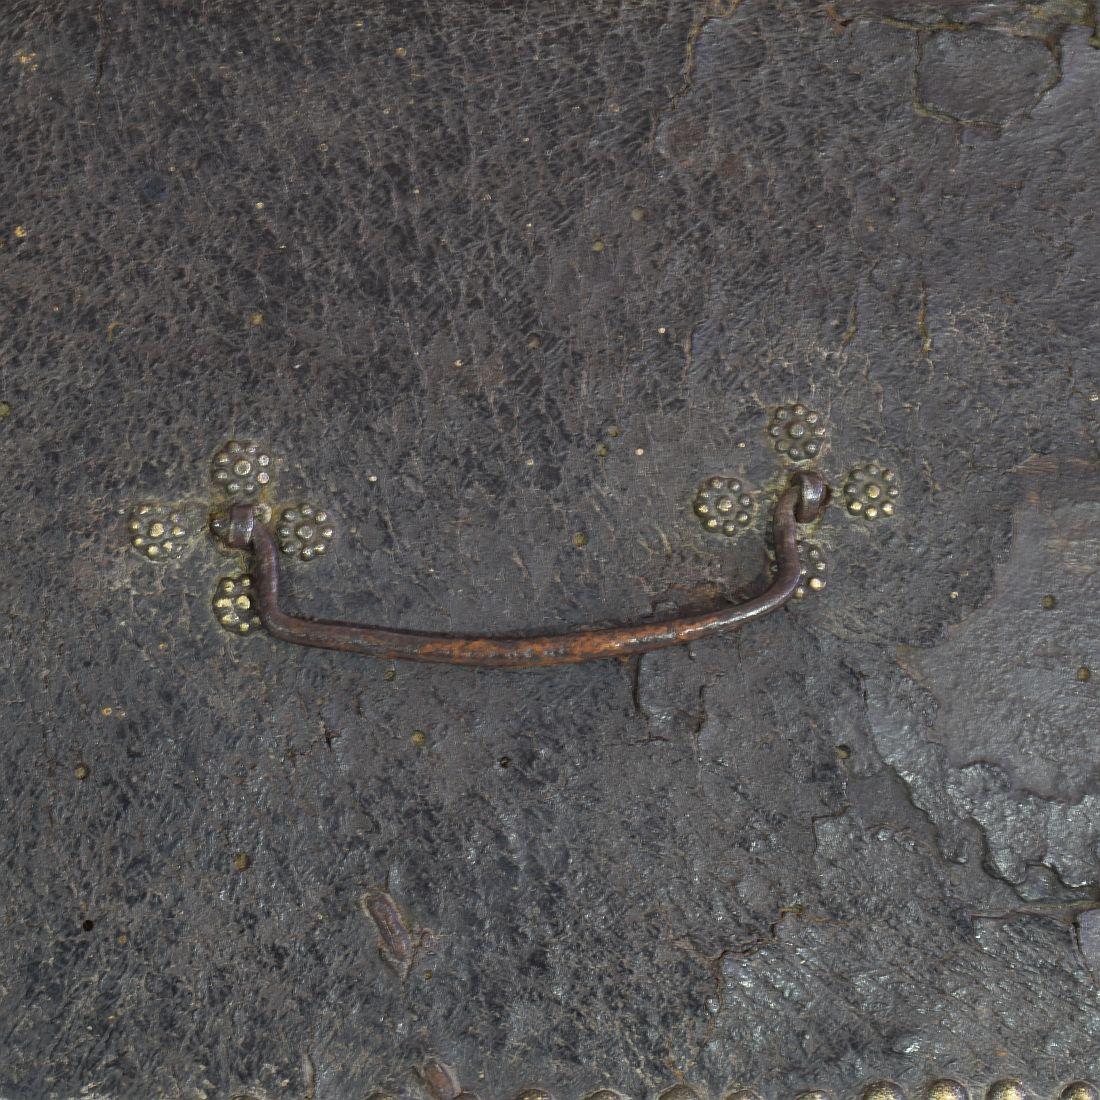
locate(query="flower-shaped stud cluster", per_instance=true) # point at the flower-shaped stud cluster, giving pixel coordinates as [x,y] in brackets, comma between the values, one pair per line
[723,505]
[304,531]
[241,469]
[235,604]
[813,569]
[798,432]
[159,531]
[871,491]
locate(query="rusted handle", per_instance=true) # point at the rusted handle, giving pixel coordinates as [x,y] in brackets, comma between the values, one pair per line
[801,502]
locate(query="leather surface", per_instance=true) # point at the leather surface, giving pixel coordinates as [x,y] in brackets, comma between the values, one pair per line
[499,285]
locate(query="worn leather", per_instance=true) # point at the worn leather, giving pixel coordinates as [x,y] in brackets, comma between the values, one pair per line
[499,285]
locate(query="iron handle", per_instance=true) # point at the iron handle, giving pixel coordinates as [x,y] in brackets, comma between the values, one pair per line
[801,502]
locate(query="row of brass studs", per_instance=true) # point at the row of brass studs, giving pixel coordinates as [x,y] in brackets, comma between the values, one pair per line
[944,1089]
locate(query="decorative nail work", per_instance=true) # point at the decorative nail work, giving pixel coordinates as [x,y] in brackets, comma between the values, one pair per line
[1080,1090]
[242,469]
[883,1090]
[946,1089]
[798,432]
[304,531]
[1006,1090]
[159,531]
[943,1089]
[235,605]
[871,491]
[724,505]
[813,580]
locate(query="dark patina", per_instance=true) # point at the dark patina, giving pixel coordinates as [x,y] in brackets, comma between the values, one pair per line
[504,290]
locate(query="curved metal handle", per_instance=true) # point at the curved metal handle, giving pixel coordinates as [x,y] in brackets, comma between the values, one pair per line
[801,502]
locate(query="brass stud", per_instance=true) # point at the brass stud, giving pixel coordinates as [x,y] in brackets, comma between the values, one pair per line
[1080,1090]
[883,1090]
[1006,1090]
[946,1089]
[681,1092]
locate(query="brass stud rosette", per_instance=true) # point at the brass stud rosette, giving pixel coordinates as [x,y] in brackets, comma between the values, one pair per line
[797,431]
[235,605]
[159,531]
[871,491]
[724,505]
[241,469]
[813,569]
[304,532]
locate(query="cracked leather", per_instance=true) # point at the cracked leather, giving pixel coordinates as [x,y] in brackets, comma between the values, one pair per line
[537,270]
